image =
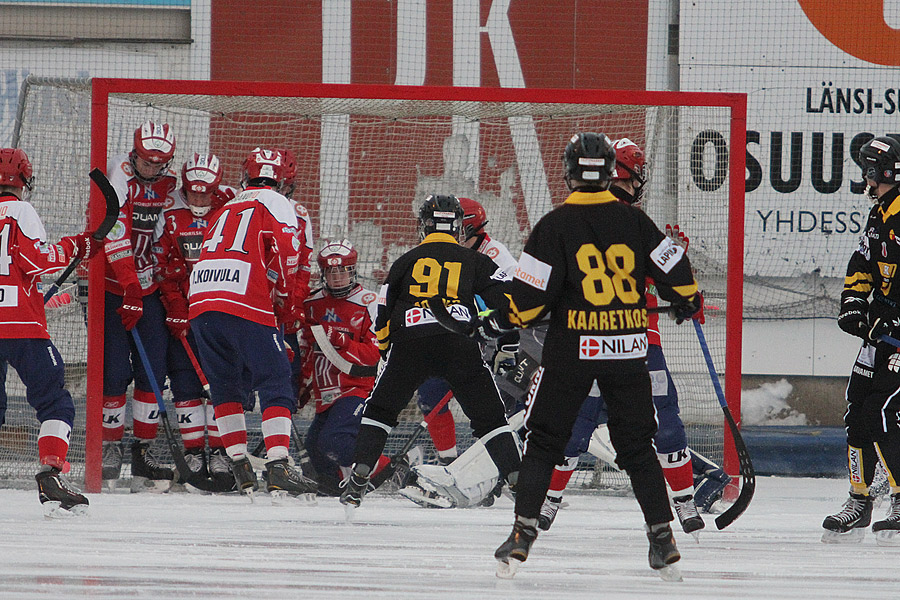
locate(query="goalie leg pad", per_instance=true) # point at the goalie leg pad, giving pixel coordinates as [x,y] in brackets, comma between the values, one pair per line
[466,481]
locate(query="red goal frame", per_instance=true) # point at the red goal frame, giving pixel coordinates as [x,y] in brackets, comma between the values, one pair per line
[103,88]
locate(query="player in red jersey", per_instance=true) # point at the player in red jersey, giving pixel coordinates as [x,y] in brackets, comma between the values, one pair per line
[346,312]
[240,292]
[201,195]
[24,341]
[145,185]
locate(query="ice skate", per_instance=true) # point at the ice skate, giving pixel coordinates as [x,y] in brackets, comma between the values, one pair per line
[492,497]
[886,530]
[548,513]
[355,488]
[663,551]
[244,476]
[58,499]
[849,525]
[688,516]
[426,498]
[287,485]
[147,475]
[220,474]
[514,551]
[111,463]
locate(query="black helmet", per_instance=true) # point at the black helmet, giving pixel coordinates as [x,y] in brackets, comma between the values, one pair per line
[590,161]
[880,160]
[441,214]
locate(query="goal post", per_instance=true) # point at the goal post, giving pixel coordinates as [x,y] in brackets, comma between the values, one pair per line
[367,156]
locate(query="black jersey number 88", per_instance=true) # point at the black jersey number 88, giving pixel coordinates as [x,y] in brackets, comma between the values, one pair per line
[619,261]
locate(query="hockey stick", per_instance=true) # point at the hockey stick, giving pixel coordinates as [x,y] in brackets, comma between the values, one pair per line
[389,469]
[746,465]
[470,327]
[331,353]
[309,470]
[112,214]
[201,483]
[196,363]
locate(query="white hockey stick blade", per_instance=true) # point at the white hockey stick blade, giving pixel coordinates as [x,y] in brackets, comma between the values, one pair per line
[507,570]
[887,537]
[670,573]
[336,359]
[854,536]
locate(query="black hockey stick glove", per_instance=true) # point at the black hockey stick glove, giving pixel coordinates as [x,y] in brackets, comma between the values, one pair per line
[687,309]
[853,317]
[883,326]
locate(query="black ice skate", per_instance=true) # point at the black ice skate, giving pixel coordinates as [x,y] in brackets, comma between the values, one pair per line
[147,475]
[850,523]
[424,498]
[284,483]
[514,551]
[548,513]
[688,516]
[111,463]
[220,471]
[244,476]
[663,552]
[886,531]
[57,498]
[355,488]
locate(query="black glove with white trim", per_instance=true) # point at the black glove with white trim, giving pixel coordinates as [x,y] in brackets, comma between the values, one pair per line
[853,317]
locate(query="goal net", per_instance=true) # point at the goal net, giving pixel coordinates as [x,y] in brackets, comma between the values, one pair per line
[367,156]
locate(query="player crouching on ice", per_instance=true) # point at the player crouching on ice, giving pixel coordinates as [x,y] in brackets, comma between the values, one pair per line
[24,341]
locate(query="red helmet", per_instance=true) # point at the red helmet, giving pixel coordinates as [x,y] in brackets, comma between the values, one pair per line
[290,172]
[474,217]
[15,169]
[631,165]
[201,174]
[264,167]
[336,258]
[154,143]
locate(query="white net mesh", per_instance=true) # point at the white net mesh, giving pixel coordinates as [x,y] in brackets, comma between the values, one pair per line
[365,165]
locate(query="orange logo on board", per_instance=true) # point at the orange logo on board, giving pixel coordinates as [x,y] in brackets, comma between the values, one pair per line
[857,27]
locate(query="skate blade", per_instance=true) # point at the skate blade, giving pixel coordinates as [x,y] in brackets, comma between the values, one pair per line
[110,484]
[696,535]
[887,537]
[506,569]
[283,498]
[854,536]
[152,486]
[349,512]
[54,510]
[420,498]
[670,573]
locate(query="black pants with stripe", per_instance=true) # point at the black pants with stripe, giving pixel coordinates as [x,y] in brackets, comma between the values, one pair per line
[552,408]
[456,359]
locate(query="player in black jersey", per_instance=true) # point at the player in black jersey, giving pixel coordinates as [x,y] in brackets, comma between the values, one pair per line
[586,263]
[873,401]
[416,346]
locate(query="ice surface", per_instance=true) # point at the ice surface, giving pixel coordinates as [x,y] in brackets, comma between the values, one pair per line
[189,546]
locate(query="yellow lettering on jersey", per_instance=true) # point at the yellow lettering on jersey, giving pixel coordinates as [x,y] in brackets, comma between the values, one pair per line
[570,322]
[607,320]
[604,320]
[629,321]
[582,320]
[592,320]
[613,324]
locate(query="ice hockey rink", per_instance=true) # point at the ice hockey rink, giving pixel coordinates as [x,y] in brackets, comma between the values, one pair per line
[192,546]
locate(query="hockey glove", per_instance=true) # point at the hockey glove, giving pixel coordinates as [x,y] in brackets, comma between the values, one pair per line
[132,306]
[283,308]
[674,232]
[883,326]
[853,317]
[81,245]
[177,318]
[338,338]
[690,309]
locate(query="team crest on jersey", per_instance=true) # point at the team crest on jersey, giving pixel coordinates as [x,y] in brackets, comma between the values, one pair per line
[368,298]
[117,232]
[330,316]
[493,253]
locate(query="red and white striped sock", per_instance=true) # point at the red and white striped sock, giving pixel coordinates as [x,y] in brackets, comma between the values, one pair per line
[276,428]
[145,412]
[191,422]
[53,443]
[232,428]
[678,472]
[442,429]
[561,476]
[212,428]
[113,418]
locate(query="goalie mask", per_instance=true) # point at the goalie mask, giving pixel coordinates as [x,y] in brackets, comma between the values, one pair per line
[264,168]
[589,162]
[200,177]
[474,218]
[880,162]
[154,148]
[15,169]
[337,264]
[631,166]
[440,214]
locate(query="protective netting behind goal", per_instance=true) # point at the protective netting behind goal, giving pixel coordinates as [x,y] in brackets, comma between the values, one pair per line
[364,166]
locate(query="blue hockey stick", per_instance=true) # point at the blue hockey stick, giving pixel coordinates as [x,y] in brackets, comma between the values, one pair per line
[746,465]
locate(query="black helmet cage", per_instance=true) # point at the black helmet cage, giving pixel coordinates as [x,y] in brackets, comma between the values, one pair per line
[880,160]
[440,214]
[589,161]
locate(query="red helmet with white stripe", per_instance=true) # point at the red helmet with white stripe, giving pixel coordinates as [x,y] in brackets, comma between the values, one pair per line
[15,169]
[202,173]
[264,167]
[290,172]
[631,164]
[337,263]
[474,217]
[155,144]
